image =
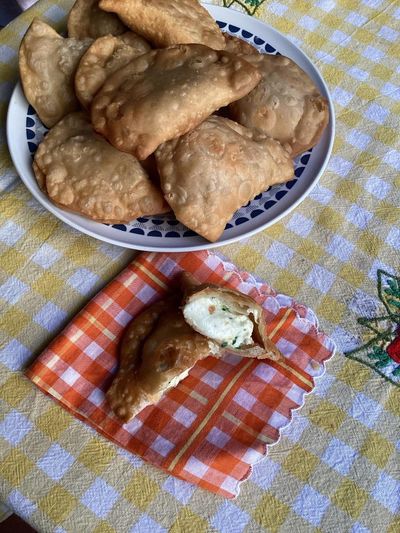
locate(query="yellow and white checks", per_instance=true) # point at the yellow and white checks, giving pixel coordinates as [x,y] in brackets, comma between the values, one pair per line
[336,467]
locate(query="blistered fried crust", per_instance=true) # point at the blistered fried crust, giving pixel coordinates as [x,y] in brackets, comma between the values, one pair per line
[238,46]
[168,22]
[85,174]
[47,65]
[209,173]
[104,57]
[165,93]
[86,19]
[157,351]
[262,347]
[286,105]
[40,177]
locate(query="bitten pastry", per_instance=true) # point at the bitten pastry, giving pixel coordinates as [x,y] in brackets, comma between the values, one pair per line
[207,174]
[157,351]
[47,65]
[232,320]
[286,105]
[167,22]
[104,57]
[165,93]
[80,171]
[86,19]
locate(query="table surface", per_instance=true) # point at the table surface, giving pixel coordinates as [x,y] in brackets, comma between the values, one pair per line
[336,466]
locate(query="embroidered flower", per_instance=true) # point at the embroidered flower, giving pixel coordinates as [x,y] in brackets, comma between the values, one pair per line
[381,351]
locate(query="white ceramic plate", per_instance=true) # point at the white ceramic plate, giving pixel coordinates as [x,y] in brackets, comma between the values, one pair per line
[164,233]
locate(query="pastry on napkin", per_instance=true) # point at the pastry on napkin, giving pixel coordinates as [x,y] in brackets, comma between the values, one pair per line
[167,22]
[167,339]
[216,423]
[157,351]
[165,93]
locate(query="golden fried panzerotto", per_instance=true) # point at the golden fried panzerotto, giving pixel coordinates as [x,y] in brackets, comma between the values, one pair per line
[165,93]
[286,104]
[168,22]
[82,172]
[209,173]
[166,340]
[157,351]
[228,318]
[104,57]
[47,65]
[86,19]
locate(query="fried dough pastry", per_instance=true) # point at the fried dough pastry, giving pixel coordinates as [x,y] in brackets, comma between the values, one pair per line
[165,93]
[82,172]
[104,57]
[157,351]
[286,105]
[207,174]
[86,19]
[47,64]
[168,22]
[238,46]
[229,318]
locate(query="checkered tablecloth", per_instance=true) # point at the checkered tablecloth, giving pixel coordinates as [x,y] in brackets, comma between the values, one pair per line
[336,467]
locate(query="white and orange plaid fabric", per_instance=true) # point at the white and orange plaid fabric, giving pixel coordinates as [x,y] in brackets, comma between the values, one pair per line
[215,424]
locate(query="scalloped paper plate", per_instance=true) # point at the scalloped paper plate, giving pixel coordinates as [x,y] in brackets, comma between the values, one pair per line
[164,233]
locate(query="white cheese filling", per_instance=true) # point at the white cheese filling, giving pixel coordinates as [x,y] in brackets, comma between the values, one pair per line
[213,318]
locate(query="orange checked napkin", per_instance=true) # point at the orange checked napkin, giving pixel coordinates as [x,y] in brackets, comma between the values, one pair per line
[218,422]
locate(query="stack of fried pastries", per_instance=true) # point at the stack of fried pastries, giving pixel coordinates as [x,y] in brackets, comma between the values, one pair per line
[140,85]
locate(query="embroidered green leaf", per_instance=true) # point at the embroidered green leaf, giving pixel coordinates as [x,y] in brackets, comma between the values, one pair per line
[394,287]
[374,343]
[389,292]
[395,302]
[377,324]
[383,331]
[378,353]
[383,363]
